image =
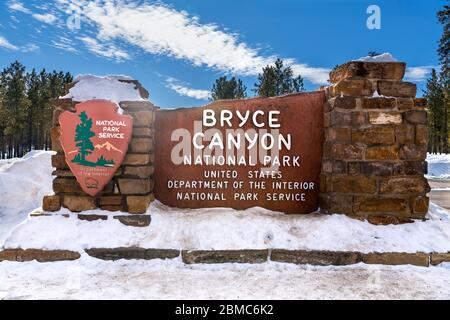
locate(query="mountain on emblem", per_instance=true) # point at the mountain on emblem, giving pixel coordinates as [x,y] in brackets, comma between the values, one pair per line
[95,139]
[108,146]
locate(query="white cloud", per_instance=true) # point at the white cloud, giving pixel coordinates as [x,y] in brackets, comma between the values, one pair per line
[65,44]
[105,50]
[31,47]
[159,29]
[18,6]
[177,86]
[46,18]
[418,74]
[4,43]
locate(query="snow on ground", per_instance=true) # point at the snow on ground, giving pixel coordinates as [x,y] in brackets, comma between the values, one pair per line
[222,229]
[438,166]
[23,184]
[384,57]
[89,278]
[90,87]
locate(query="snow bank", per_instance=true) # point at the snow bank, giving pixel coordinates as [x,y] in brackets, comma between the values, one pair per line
[384,57]
[23,184]
[89,278]
[438,166]
[222,229]
[89,87]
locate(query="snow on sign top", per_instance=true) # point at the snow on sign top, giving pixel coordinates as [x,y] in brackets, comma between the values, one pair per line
[90,87]
[384,57]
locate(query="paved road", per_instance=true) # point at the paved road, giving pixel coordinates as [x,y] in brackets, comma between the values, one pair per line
[440,192]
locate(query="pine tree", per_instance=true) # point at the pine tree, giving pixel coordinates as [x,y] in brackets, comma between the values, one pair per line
[444,57]
[436,121]
[277,80]
[224,89]
[83,137]
[15,107]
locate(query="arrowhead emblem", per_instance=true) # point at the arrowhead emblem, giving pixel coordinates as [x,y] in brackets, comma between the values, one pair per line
[95,141]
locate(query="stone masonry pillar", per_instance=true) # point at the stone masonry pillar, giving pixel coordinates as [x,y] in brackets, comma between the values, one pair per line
[375,148]
[131,189]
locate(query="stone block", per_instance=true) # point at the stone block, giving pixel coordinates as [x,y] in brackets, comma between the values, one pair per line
[110,201]
[388,220]
[55,133]
[399,89]
[315,257]
[225,256]
[142,172]
[79,203]
[404,134]
[382,152]
[132,253]
[379,169]
[355,87]
[404,185]
[381,205]
[359,118]
[421,134]
[415,167]
[137,159]
[139,204]
[141,145]
[344,102]
[112,208]
[51,203]
[92,217]
[142,132]
[346,151]
[142,118]
[369,70]
[135,186]
[59,162]
[354,184]
[21,255]
[339,134]
[341,204]
[438,258]
[340,118]
[133,106]
[405,103]
[138,221]
[354,168]
[378,103]
[416,116]
[66,185]
[374,135]
[391,258]
[413,152]
[385,118]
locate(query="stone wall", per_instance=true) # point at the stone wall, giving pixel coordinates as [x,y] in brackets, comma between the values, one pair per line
[131,189]
[376,143]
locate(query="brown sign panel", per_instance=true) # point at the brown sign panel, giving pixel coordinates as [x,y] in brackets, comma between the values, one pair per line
[263,152]
[95,140]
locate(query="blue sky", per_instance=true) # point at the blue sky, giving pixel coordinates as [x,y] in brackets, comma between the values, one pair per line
[177,48]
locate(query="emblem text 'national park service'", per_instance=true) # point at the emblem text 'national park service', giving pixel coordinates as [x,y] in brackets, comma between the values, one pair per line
[95,141]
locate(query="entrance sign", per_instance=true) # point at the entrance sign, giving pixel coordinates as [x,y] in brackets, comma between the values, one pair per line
[95,141]
[264,152]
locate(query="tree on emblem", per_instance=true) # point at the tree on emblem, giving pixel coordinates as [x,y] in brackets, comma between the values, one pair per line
[83,135]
